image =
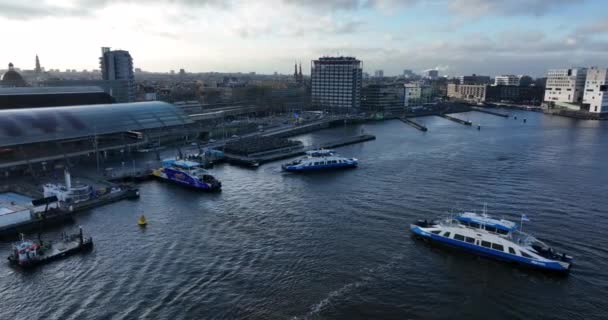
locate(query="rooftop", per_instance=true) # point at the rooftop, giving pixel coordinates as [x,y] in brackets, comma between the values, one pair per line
[35,125]
[48,90]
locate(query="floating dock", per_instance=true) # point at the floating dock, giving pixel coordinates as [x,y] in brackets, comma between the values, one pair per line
[62,215]
[258,159]
[490,112]
[465,122]
[414,124]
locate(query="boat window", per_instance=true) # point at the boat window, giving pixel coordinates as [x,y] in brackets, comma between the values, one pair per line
[498,247]
[501,231]
[512,251]
[436,231]
[464,223]
[459,237]
[486,244]
[470,240]
[475,225]
[447,234]
[525,255]
[491,229]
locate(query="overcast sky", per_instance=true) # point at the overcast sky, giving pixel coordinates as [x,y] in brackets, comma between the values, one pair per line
[456,36]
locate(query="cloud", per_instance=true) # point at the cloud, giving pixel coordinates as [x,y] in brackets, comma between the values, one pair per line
[596,27]
[507,7]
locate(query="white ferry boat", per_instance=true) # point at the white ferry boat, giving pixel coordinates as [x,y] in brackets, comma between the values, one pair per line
[495,238]
[317,160]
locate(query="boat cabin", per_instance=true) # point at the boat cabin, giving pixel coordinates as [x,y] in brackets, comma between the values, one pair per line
[473,220]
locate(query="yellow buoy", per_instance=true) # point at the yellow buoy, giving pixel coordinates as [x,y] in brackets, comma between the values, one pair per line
[142,221]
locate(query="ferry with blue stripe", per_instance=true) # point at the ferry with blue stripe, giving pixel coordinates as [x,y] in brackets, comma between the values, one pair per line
[187,173]
[318,160]
[494,238]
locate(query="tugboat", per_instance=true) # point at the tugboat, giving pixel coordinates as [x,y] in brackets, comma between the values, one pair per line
[499,239]
[29,253]
[317,160]
[187,173]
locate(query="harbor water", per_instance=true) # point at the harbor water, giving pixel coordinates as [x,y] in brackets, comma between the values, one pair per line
[336,245]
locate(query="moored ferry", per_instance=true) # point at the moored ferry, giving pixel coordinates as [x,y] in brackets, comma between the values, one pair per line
[187,173]
[494,238]
[317,160]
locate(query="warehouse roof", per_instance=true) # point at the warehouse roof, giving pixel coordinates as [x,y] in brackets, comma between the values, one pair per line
[24,126]
[48,90]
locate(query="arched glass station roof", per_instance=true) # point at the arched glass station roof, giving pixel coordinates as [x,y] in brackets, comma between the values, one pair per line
[23,126]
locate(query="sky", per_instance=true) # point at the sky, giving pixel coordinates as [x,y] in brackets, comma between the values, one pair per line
[457,37]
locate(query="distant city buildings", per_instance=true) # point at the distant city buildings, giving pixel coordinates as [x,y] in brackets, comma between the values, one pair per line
[565,85]
[432,74]
[506,80]
[336,83]
[496,93]
[379,74]
[596,90]
[118,65]
[474,80]
[408,74]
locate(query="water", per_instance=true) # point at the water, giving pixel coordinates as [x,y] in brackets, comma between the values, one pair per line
[336,245]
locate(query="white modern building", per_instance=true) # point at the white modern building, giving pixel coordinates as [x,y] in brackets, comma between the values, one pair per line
[506,80]
[336,83]
[565,85]
[596,90]
[118,65]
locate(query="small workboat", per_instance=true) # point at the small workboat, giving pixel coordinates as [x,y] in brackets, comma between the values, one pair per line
[30,253]
[499,239]
[142,221]
[317,160]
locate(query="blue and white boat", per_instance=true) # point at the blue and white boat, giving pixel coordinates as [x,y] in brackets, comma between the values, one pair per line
[317,160]
[187,173]
[494,238]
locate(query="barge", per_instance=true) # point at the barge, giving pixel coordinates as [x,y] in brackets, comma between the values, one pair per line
[30,253]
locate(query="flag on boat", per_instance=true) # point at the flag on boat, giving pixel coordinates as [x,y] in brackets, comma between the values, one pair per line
[524,218]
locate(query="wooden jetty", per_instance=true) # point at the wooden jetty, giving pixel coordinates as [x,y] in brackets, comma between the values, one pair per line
[490,112]
[465,122]
[413,124]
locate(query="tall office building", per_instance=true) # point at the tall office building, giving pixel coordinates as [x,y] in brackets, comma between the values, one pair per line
[596,90]
[118,65]
[506,80]
[379,74]
[336,83]
[565,85]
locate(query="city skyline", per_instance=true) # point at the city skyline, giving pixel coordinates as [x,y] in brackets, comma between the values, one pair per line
[456,37]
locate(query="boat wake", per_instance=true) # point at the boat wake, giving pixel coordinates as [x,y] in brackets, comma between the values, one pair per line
[370,274]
